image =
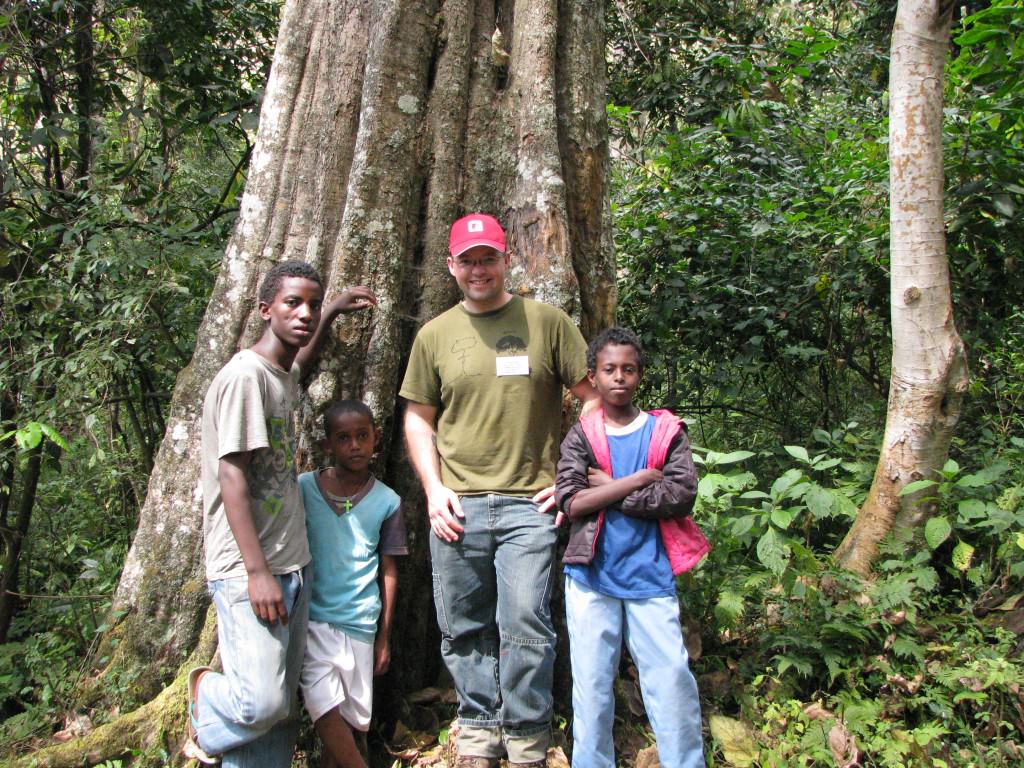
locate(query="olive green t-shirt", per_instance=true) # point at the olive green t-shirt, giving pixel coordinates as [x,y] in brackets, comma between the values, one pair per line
[497,380]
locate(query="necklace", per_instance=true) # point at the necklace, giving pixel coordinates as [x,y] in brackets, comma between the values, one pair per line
[341,504]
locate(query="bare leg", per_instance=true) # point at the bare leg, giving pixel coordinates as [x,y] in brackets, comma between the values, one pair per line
[326,761]
[339,744]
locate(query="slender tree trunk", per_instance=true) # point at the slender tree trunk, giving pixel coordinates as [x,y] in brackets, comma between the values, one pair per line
[82,21]
[929,363]
[382,123]
[14,539]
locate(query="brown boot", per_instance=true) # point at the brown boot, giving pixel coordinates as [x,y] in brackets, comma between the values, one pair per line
[534,764]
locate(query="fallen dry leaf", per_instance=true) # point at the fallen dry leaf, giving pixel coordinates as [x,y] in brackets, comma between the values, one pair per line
[815,711]
[737,743]
[843,746]
[647,758]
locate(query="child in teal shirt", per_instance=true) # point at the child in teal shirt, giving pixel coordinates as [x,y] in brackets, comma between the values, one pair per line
[355,528]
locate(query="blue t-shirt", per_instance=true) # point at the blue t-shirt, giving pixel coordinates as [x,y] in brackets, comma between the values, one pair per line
[630,561]
[345,550]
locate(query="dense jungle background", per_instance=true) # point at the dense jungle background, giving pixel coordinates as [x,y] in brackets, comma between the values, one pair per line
[750,208]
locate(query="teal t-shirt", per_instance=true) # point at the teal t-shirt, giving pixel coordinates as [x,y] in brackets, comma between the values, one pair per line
[345,550]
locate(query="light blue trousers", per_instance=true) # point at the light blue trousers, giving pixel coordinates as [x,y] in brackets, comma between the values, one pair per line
[249,714]
[598,624]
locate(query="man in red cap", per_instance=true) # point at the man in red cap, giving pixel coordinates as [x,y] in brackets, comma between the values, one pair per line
[484,388]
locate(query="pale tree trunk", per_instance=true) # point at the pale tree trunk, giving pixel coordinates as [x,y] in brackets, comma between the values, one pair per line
[929,363]
[382,123]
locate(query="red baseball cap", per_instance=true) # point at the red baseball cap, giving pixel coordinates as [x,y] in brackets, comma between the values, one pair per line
[473,230]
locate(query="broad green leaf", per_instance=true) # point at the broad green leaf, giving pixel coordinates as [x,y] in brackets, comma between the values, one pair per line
[963,553]
[782,485]
[819,501]
[798,452]
[773,552]
[821,466]
[917,485]
[707,485]
[844,506]
[54,436]
[741,525]
[29,436]
[936,531]
[782,517]
[978,35]
[970,509]
[984,477]
[720,459]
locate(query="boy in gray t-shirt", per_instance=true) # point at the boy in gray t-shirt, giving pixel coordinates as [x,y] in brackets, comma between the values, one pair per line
[254,526]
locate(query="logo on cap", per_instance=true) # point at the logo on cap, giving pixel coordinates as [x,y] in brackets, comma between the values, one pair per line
[475,229]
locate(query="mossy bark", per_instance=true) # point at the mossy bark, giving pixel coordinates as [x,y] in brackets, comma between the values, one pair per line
[155,728]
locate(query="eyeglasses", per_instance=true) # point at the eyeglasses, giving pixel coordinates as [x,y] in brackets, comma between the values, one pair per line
[487,262]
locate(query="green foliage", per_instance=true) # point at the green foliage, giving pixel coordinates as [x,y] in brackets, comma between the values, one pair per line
[750,200]
[985,154]
[753,229]
[30,435]
[125,133]
[901,668]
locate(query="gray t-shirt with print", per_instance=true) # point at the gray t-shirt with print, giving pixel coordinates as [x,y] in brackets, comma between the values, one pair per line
[249,407]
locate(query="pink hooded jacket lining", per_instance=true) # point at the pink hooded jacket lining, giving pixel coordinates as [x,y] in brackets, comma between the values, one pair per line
[684,542]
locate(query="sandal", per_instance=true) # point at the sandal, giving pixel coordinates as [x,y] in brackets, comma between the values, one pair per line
[191,748]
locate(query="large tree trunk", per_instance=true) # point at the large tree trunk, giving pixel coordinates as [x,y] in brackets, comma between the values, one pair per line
[382,123]
[929,363]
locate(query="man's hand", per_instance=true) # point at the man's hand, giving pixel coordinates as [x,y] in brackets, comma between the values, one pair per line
[545,499]
[351,299]
[597,477]
[266,598]
[381,655]
[444,512]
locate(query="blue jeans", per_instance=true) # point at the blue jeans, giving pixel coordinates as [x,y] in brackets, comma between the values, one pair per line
[492,592]
[249,714]
[650,626]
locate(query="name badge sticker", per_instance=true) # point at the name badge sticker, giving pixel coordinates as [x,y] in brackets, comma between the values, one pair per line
[513,366]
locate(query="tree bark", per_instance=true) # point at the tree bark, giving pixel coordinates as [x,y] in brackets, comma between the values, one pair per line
[929,363]
[382,123]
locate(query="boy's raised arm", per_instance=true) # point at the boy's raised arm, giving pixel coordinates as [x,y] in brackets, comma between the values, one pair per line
[353,299]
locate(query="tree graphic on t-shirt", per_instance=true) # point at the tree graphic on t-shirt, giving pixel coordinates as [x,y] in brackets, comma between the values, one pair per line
[460,348]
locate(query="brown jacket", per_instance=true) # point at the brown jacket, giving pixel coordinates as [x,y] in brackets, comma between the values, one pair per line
[670,500]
